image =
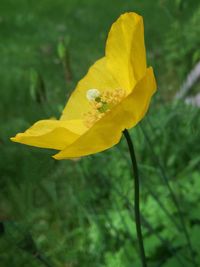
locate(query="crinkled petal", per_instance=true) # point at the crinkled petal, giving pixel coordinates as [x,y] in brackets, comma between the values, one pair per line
[98,77]
[121,68]
[53,134]
[125,50]
[108,130]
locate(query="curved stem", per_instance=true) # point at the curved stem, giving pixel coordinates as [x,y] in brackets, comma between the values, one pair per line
[136,197]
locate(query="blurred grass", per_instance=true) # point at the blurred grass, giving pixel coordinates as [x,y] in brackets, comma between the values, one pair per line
[74,211]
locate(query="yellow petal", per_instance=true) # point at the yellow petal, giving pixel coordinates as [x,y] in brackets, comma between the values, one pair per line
[108,130]
[123,66]
[98,77]
[53,134]
[125,50]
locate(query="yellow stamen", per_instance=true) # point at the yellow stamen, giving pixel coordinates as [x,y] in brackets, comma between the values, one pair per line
[102,104]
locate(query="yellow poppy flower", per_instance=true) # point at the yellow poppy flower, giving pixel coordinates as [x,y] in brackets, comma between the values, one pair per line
[113,96]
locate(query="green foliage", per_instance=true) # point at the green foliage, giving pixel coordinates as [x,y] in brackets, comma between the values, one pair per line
[75,213]
[64,55]
[182,45]
[37,87]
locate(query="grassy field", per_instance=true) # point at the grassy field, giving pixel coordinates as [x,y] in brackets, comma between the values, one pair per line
[79,213]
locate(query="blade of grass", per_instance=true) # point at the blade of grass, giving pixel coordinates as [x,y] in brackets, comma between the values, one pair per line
[172,194]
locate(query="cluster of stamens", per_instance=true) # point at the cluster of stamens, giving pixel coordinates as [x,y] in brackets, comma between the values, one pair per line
[101,103]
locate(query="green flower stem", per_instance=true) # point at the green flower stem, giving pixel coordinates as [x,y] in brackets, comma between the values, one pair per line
[136,197]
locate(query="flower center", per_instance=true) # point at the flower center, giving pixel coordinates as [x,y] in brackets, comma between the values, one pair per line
[101,103]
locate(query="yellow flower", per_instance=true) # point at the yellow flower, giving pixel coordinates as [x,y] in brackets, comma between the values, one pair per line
[113,96]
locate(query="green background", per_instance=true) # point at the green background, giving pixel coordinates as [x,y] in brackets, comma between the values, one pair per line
[80,213]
